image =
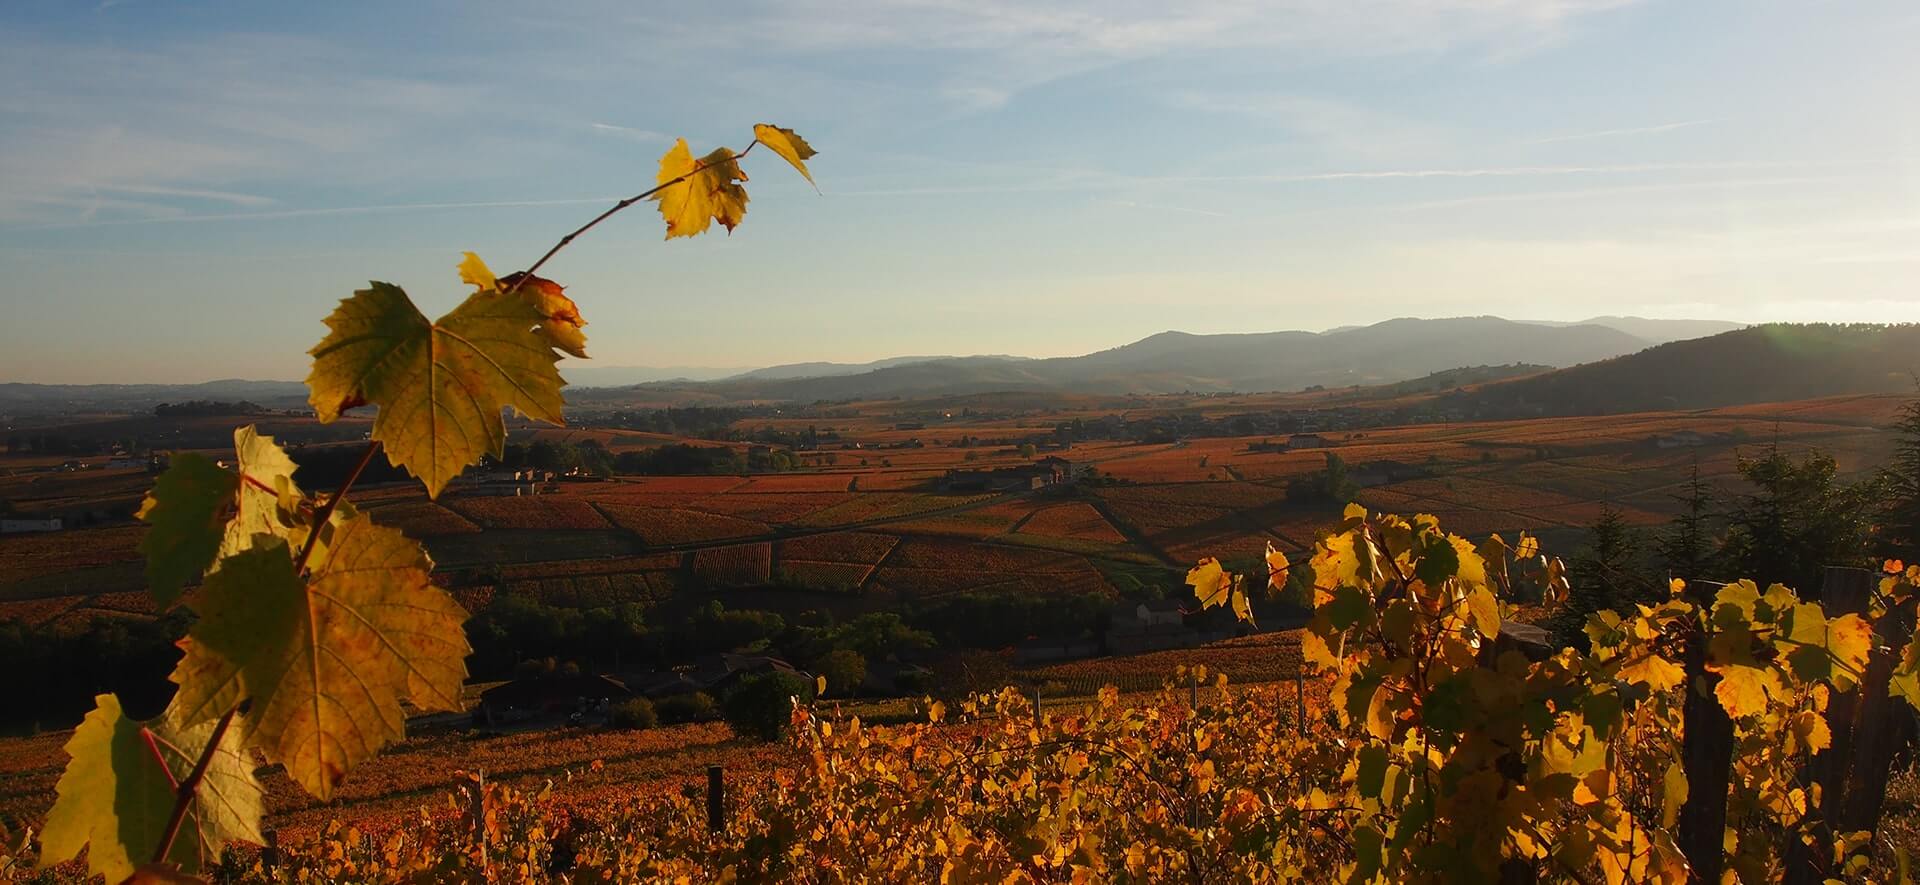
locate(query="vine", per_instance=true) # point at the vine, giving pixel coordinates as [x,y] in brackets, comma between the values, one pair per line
[313,623]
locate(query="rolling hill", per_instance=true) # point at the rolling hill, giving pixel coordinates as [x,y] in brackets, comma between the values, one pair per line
[1768,363]
[1174,362]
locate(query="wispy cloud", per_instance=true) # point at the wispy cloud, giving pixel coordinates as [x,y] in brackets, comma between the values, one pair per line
[331,210]
[1615,133]
[629,132]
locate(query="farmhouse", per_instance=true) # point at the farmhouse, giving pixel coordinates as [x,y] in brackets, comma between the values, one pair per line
[548,695]
[1049,471]
[1307,441]
[12,526]
[713,674]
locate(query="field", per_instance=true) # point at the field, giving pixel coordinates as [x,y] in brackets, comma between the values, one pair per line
[850,538]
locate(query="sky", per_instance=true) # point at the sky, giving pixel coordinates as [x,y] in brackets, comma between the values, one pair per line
[186,189]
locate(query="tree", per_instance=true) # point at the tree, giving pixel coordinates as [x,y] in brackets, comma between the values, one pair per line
[844,670]
[1027,450]
[1799,519]
[1686,549]
[761,705]
[1605,576]
[1330,485]
[1900,481]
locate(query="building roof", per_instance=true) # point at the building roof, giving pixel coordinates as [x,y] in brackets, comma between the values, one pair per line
[538,691]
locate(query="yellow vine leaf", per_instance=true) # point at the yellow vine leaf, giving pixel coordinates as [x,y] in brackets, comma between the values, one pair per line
[114,798]
[1278,568]
[1655,672]
[1673,793]
[440,385]
[268,498]
[789,145]
[1850,640]
[1484,611]
[560,318]
[1211,584]
[1741,691]
[325,661]
[188,508]
[709,192]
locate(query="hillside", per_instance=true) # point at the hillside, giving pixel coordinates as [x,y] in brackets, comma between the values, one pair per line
[1173,362]
[1769,363]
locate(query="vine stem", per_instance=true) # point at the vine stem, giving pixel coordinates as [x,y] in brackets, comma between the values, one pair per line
[183,796]
[325,513]
[615,209]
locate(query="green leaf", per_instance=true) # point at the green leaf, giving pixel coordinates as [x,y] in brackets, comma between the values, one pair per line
[325,661]
[789,145]
[115,798]
[1438,562]
[1349,606]
[188,508]
[440,385]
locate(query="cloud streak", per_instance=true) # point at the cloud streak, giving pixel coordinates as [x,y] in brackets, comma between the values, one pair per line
[1617,133]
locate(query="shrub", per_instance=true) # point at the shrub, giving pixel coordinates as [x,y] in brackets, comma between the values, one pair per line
[635,714]
[844,669]
[762,705]
[692,707]
[970,672]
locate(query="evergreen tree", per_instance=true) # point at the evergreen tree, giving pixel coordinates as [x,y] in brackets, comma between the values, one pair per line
[1605,574]
[1686,549]
[1799,519]
[1900,484]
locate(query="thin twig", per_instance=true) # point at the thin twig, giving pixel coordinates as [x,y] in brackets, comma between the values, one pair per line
[617,207]
[183,796]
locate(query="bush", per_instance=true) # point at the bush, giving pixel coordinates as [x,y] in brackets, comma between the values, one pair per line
[692,707]
[636,714]
[761,706]
[844,669]
[970,672]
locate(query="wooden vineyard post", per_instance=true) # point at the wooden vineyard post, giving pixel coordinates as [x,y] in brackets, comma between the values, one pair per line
[1843,591]
[1300,698]
[1036,705]
[478,809]
[270,852]
[716,798]
[1706,755]
[1882,723]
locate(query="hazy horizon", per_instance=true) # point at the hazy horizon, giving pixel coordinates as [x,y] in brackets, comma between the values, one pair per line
[186,191]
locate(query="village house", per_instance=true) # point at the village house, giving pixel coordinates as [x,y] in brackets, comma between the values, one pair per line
[13,526]
[550,694]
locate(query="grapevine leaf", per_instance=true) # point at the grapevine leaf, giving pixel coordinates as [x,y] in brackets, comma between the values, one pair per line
[1211,583]
[1484,611]
[1741,691]
[115,798]
[1278,568]
[187,508]
[1850,640]
[560,318]
[268,497]
[1905,681]
[1438,562]
[1242,605]
[440,385]
[707,191]
[1655,672]
[1673,793]
[790,146]
[325,661]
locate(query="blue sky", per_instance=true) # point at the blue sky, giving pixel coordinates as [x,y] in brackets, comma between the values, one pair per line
[186,188]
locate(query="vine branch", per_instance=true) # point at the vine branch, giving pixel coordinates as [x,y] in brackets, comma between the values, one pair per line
[184,794]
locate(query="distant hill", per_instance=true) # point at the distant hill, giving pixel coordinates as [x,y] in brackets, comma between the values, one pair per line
[1175,362]
[831,370]
[1656,331]
[1769,363]
[586,374]
[44,398]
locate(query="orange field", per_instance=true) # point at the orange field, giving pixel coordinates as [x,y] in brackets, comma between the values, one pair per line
[1075,521]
